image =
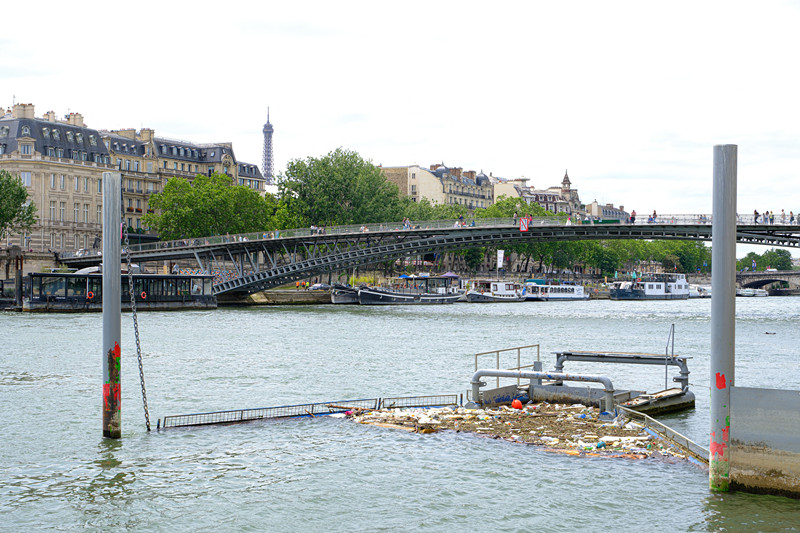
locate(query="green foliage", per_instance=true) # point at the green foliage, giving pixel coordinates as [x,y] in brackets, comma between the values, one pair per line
[773,258]
[337,189]
[17,213]
[209,205]
[425,210]
[505,207]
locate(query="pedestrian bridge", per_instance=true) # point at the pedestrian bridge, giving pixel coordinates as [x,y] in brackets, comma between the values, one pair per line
[254,262]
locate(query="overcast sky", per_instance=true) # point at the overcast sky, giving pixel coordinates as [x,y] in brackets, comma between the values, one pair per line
[630,97]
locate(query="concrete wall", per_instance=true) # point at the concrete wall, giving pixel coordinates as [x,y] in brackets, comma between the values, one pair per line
[765,441]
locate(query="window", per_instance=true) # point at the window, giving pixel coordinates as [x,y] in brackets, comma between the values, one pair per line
[136,166]
[4,131]
[46,133]
[52,210]
[138,204]
[99,214]
[85,184]
[79,137]
[92,140]
[183,166]
[130,203]
[25,177]
[150,166]
[127,164]
[175,165]
[63,181]
[25,149]
[77,212]
[51,152]
[60,152]
[77,183]
[138,186]
[164,149]
[69,136]
[2,149]
[86,213]
[174,151]
[56,135]
[52,181]
[76,242]
[52,240]
[25,131]
[99,185]
[62,206]
[138,223]
[212,153]
[165,164]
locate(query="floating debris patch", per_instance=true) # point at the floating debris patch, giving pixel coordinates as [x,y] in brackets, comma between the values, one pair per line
[572,429]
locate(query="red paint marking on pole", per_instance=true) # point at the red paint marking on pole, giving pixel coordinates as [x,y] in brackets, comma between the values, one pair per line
[725,433]
[720,381]
[717,449]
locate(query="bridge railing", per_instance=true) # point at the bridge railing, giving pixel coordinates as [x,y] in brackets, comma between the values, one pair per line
[682,219]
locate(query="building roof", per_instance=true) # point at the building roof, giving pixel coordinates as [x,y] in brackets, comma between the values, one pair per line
[51,134]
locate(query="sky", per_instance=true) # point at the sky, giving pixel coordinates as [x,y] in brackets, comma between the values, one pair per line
[629,97]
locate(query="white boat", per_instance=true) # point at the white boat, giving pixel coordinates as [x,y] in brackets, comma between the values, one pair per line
[493,290]
[748,292]
[537,292]
[698,291]
[651,286]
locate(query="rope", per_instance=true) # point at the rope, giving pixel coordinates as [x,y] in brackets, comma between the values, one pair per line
[135,323]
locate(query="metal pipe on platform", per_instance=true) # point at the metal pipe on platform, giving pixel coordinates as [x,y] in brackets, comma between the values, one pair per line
[628,359]
[112,304]
[723,313]
[477,383]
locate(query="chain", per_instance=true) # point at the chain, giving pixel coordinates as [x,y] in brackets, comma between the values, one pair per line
[135,323]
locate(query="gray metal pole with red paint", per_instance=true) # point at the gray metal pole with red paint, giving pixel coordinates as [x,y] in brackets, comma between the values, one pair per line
[723,313]
[112,305]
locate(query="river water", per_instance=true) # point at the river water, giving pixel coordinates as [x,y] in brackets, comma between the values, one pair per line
[58,473]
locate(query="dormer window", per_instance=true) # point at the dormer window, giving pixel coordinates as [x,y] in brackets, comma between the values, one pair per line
[125,147]
[164,149]
[212,153]
[25,131]
[79,137]
[56,135]
[46,133]
[4,131]
[92,140]
[69,136]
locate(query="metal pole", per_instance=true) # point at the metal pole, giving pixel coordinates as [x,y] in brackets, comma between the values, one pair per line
[112,303]
[723,312]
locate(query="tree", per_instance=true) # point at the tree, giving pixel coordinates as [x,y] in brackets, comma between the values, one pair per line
[17,212]
[209,205]
[337,189]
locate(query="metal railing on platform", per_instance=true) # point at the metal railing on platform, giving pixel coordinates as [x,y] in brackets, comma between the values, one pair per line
[685,443]
[302,410]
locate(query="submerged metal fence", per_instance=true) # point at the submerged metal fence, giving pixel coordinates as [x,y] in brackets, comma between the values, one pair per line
[419,401]
[302,410]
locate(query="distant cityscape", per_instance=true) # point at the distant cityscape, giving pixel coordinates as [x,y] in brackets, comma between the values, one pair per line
[61,161]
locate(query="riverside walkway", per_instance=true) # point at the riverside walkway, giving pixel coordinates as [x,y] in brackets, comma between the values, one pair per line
[254,262]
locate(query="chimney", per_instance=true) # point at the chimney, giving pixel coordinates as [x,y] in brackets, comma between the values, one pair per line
[50,116]
[146,135]
[75,119]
